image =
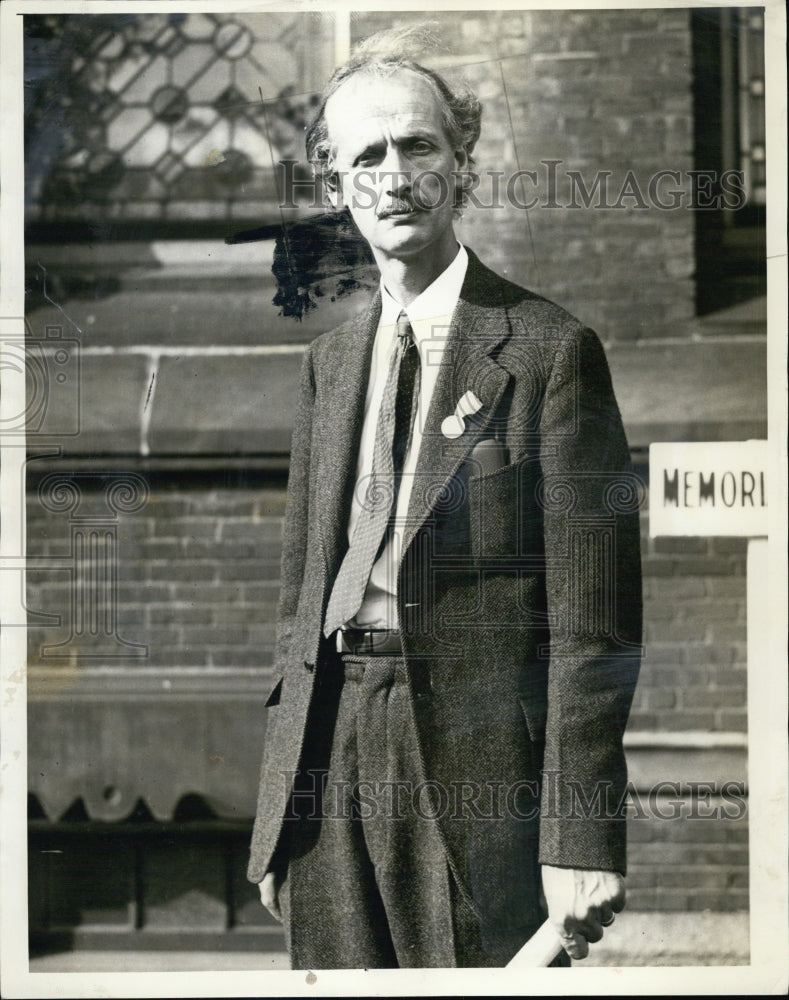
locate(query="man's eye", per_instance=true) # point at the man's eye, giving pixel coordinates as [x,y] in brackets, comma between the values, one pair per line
[421,148]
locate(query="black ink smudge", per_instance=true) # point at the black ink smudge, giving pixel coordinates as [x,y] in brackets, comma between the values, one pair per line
[321,256]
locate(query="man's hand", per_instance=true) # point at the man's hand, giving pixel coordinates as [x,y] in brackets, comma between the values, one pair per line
[269,894]
[581,903]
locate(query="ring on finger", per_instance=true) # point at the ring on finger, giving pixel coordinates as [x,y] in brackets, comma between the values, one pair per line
[607,923]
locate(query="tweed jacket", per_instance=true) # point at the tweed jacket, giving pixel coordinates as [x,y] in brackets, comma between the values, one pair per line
[519,591]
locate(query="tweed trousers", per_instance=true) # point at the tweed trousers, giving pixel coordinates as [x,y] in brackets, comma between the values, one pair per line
[368,885]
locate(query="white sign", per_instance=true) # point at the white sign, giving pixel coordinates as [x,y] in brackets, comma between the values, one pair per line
[715,488]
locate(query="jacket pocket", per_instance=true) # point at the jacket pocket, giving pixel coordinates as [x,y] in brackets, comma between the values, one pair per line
[493,510]
[506,519]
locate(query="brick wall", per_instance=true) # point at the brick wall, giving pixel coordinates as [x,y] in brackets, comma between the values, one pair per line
[693,674]
[198,573]
[198,583]
[688,865]
[599,91]
[198,562]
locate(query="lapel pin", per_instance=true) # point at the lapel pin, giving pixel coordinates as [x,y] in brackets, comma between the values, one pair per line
[454,425]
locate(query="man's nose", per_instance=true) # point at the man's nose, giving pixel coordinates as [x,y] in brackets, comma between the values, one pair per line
[396,173]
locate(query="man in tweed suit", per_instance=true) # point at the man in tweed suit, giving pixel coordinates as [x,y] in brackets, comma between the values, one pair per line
[459,622]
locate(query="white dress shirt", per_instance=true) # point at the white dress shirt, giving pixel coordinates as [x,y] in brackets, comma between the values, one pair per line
[430,315]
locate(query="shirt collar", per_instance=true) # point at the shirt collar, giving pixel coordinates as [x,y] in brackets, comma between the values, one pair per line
[438,299]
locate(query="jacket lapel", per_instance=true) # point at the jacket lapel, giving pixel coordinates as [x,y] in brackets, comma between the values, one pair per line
[477,332]
[340,417]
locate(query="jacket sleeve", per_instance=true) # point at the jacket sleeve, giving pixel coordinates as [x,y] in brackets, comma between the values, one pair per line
[294,541]
[263,850]
[590,498]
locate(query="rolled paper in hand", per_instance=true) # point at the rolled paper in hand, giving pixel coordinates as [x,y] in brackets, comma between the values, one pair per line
[539,951]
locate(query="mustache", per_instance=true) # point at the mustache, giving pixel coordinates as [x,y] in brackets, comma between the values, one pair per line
[398,206]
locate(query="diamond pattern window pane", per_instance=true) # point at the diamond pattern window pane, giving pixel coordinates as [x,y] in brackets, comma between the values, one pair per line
[138,110]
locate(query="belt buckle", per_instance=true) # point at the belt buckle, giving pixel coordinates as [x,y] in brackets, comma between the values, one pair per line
[383,641]
[365,642]
[351,640]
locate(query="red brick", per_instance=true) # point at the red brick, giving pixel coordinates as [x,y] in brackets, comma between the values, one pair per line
[260,632]
[661,699]
[671,900]
[730,855]
[248,530]
[661,611]
[641,878]
[678,588]
[193,549]
[655,566]
[705,831]
[261,592]
[149,594]
[726,632]
[194,572]
[712,566]
[221,635]
[225,502]
[128,618]
[180,613]
[154,548]
[194,527]
[729,546]
[250,612]
[252,570]
[719,653]
[731,900]
[693,877]
[735,678]
[239,656]
[681,719]
[659,654]
[180,657]
[722,610]
[731,719]
[164,508]
[201,592]
[693,631]
[733,586]
[642,722]
[739,878]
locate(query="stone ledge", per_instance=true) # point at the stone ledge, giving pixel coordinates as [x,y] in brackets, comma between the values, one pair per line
[713,390]
[202,298]
[635,940]
[659,939]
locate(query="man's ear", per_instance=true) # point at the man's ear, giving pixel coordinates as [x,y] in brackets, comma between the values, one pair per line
[332,185]
[463,176]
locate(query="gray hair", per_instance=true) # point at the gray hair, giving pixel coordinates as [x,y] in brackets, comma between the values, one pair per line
[384,54]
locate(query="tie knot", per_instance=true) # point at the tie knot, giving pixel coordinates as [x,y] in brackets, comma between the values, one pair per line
[404,328]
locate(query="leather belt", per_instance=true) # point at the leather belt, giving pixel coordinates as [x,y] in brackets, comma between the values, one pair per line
[376,642]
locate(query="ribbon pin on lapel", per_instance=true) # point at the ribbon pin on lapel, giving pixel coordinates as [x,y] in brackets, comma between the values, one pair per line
[469,404]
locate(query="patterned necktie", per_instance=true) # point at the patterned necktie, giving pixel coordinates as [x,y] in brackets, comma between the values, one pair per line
[392,437]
